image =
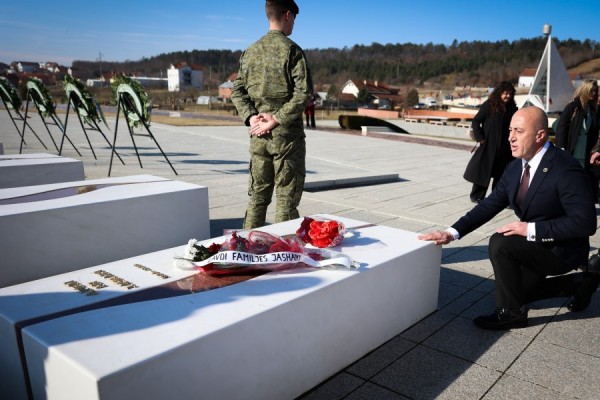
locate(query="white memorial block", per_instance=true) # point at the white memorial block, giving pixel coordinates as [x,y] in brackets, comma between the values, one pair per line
[52,229]
[59,295]
[38,169]
[271,337]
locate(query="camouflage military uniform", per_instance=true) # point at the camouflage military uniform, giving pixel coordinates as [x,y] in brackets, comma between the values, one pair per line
[274,78]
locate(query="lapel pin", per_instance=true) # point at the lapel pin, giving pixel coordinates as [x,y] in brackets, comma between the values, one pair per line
[545,169]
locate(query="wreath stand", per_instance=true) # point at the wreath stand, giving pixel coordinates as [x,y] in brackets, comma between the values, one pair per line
[8,105]
[129,102]
[37,97]
[75,99]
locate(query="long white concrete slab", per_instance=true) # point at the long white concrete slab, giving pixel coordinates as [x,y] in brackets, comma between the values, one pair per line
[52,229]
[271,337]
[38,169]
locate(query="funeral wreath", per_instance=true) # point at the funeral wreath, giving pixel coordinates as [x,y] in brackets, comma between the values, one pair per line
[136,101]
[9,94]
[41,96]
[90,110]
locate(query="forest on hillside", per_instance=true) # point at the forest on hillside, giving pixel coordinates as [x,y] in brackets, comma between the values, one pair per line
[476,63]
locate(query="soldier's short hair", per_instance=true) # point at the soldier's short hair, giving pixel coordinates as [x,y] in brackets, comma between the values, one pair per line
[274,8]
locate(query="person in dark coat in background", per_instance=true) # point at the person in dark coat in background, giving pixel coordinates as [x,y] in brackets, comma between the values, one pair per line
[490,128]
[309,111]
[577,130]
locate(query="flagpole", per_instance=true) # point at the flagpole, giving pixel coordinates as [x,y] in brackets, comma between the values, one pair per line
[547,32]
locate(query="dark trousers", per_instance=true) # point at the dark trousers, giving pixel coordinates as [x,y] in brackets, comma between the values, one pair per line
[310,120]
[478,191]
[521,269]
[594,175]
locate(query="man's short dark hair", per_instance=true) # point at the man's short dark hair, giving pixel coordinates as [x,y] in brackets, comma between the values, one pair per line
[278,7]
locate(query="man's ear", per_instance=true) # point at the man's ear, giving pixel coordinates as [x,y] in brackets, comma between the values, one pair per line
[541,134]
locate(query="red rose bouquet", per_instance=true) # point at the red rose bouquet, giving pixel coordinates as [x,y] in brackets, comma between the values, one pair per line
[321,233]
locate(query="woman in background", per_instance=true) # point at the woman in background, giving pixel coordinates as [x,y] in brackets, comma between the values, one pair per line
[577,130]
[490,129]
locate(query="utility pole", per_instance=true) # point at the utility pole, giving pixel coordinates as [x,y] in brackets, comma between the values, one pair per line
[100,60]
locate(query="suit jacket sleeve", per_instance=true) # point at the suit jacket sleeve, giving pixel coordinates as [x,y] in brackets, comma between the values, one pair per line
[240,97]
[487,209]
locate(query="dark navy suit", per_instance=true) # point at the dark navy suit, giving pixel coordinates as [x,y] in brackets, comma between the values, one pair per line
[560,202]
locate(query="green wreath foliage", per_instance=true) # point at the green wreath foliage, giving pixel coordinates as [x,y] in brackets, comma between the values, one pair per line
[41,96]
[138,97]
[92,111]
[10,94]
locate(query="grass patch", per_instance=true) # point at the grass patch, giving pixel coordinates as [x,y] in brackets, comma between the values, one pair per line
[177,121]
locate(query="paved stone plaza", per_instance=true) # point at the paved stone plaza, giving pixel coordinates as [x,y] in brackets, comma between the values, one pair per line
[442,356]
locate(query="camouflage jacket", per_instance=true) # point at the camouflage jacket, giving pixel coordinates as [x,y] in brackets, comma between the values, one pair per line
[273,78]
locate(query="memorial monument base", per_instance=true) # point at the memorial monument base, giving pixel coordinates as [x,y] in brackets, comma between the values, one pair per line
[271,337]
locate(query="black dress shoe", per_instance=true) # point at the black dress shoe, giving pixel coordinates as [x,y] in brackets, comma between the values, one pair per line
[594,264]
[503,318]
[584,291]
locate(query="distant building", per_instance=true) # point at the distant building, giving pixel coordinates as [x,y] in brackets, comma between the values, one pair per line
[96,82]
[321,98]
[182,76]
[153,82]
[55,68]
[526,77]
[225,89]
[145,81]
[207,100]
[378,90]
[25,66]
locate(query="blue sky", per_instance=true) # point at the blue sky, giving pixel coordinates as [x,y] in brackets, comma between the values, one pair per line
[64,31]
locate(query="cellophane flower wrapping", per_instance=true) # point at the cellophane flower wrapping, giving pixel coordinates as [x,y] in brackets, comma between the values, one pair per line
[255,243]
[258,251]
[321,233]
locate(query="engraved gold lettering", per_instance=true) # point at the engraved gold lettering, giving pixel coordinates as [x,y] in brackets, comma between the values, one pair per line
[116,279]
[98,284]
[153,272]
[81,288]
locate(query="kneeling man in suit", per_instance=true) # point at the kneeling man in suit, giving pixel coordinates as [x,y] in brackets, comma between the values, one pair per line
[551,196]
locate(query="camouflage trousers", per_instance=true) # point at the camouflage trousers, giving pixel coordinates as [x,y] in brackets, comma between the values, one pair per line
[277,163]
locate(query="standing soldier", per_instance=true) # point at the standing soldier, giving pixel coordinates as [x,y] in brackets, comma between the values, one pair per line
[270,93]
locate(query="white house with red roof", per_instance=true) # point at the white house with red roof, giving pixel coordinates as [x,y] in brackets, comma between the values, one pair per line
[182,76]
[380,91]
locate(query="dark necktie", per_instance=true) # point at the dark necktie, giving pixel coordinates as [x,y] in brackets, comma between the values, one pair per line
[523,186]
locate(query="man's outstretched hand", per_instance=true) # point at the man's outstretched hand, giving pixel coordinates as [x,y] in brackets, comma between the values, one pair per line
[438,237]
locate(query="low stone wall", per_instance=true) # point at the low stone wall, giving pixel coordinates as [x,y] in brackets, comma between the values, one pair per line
[421,128]
[437,114]
[382,114]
